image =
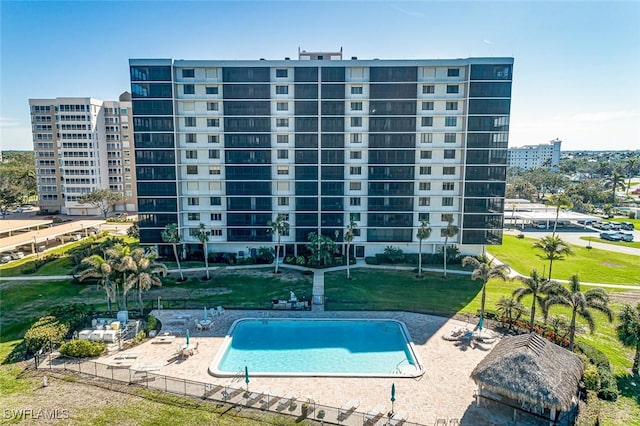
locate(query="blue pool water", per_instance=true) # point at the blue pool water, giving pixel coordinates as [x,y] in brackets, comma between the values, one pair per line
[318,347]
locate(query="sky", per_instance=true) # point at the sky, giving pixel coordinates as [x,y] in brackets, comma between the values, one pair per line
[575,78]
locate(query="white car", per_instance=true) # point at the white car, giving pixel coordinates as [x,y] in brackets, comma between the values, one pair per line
[6,258]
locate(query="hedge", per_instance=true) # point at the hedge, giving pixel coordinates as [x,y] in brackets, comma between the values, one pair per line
[82,348]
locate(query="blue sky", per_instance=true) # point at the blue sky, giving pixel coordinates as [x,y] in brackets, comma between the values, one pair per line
[575,75]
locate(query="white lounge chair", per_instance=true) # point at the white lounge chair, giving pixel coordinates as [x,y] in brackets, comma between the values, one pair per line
[220,310]
[398,418]
[290,397]
[347,408]
[375,413]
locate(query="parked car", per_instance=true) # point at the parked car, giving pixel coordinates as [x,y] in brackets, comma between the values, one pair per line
[615,226]
[605,226]
[6,258]
[627,226]
[17,255]
[625,236]
[611,236]
[540,225]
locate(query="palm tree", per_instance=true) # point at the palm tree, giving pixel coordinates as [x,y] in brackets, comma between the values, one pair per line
[99,268]
[538,287]
[484,271]
[449,232]
[203,234]
[580,303]
[629,331]
[559,201]
[348,238]
[510,308]
[279,227]
[424,232]
[145,272]
[171,235]
[554,248]
[631,169]
[614,182]
[119,256]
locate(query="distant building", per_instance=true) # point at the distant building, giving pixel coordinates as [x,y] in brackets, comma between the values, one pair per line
[81,145]
[534,156]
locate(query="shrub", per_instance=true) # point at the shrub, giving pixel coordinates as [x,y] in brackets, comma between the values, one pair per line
[371,260]
[596,356]
[72,315]
[608,385]
[520,236]
[46,329]
[394,254]
[591,377]
[82,348]
[290,260]
[152,324]
[139,338]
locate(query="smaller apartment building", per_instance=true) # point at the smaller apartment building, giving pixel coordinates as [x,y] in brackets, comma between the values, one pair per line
[535,156]
[82,145]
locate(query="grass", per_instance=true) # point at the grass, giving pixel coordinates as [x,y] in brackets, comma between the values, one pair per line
[593,265]
[634,244]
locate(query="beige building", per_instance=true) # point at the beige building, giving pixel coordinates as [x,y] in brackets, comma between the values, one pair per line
[82,145]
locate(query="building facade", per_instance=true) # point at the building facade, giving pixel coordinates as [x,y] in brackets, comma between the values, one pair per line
[82,145]
[534,156]
[321,140]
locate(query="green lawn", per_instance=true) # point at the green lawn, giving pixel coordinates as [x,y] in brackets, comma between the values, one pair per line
[634,244]
[594,265]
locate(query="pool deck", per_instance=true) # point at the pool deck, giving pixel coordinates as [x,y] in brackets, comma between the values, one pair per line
[445,391]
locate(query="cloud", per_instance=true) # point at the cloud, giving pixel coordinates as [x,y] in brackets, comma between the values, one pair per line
[487,41]
[9,122]
[601,116]
[408,12]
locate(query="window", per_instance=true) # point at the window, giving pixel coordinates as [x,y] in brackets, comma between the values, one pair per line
[216,217]
[449,154]
[215,201]
[282,106]
[356,90]
[425,170]
[356,106]
[214,170]
[451,121]
[282,122]
[447,201]
[423,217]
[355,155]
[214,154]
[356,138]
[282,90]
[425,186]
[448,186]
[428,89]
[448,170]
[354,201]
[281,73]
[450,138]
[424,201]
[453,88]
[193,201]
[190,137]
[213,139]
[213,122]
[212,106]
[190,122]
[426,137]
[192,170]
[211,90]
[355,186]
[452,106]
[453,72]
[189,89]
[426,155]
[427,106]
[355,170]
[193,216]
[427,121]
[191,154]
[282,139]
[283,170]
[188,73]
[283,154]
[283,201]
[354,216]
[216,232]
[356,121]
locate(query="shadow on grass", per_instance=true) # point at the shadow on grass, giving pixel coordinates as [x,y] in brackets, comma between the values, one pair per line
[17,354]
[629,386]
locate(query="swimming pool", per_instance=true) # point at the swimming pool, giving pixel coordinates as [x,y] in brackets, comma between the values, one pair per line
[317,347]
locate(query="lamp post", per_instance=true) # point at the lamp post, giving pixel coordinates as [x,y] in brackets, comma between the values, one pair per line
[159,306]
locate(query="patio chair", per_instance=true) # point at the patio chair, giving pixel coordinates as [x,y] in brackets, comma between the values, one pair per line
[347,408]
[286,400]
[398,417]
[220,310]
[198,325]
[374,414]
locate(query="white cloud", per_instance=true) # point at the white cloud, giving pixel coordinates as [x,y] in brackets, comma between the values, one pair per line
[487,41]
[9,122]
[408,12]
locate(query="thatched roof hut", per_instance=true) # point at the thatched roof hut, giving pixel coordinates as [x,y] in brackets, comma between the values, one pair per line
[531,370]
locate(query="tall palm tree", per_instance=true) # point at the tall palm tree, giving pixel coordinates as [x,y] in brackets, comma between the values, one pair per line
[483,270]
[629,331]
[537,287]
[279,227]
[449,232]
[553,248]
[99,268]
[510,308]
[145,272]
[615,181]
[119,256]
[424,232]
[580,304]
[631,168]
[203,234]
[348,238]
[171,235]
[559,201]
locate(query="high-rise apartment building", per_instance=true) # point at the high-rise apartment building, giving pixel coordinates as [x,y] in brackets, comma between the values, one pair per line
[534,156]
[388,143]
[81,145]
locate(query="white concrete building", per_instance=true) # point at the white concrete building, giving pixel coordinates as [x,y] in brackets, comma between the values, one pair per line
[534,156]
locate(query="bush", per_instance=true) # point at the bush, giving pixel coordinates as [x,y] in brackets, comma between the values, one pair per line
[46,329]
[152,324]
[139,338]
[591,377]
[608,385]
[520,236]
[371,260]
[596,356]
[82,348]
[72,315]
[394,254]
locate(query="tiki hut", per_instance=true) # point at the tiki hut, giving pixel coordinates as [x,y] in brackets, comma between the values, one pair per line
[531,374]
